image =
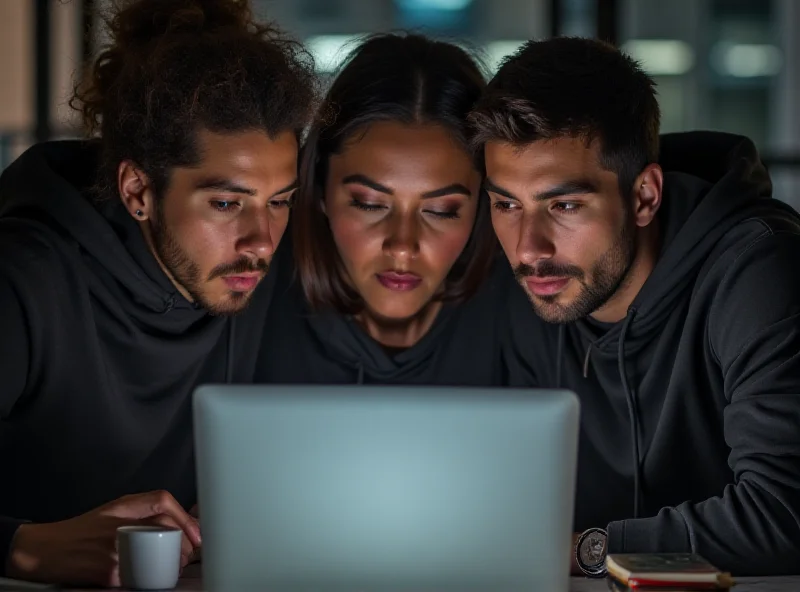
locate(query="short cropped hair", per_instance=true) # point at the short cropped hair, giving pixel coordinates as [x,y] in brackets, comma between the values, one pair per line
[568,87]
[391,77]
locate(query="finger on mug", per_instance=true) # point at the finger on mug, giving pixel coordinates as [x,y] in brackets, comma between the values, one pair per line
[145,505]
[95,570]
[197,555]
[164,503]
[187,548]
[114,580]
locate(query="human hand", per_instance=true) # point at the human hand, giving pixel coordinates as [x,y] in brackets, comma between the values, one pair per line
[83,550]
[198,552]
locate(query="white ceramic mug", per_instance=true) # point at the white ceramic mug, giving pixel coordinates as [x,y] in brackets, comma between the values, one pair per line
[149,557]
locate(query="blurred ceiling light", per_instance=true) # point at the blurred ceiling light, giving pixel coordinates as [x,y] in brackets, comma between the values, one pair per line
[454,5]
[746,60]
[661,57]
[497,50]
[330,50]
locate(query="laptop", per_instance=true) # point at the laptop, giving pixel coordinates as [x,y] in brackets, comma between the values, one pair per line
[384,488]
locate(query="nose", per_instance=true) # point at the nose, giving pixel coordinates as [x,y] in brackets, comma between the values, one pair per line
[535,240]
[256,241]
[402,239]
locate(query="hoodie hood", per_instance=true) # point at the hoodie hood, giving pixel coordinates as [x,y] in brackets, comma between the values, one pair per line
[46,190]
[344,340]
[49,184]
[712,182]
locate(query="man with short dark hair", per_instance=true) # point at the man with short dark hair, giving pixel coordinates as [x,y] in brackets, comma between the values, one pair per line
[132,269]
[664,282]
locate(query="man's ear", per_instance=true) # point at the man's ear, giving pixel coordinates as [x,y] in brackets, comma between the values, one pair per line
[647,194]
[135,190]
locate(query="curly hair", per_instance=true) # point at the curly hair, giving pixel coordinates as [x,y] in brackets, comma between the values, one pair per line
[174,67]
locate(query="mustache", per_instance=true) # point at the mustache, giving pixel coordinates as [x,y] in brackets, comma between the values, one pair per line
[547,268]
[243,265]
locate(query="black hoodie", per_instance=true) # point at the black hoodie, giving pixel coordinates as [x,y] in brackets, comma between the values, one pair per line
[690,430]
[460,349]
[99,353]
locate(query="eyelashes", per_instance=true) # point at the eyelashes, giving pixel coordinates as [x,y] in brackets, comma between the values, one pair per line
[565,208]
[451,215]
[504,207]
[373,207]
[227,206]
[366,207]
[224,205]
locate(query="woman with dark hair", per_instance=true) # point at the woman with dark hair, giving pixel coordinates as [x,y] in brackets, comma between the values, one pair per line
[393,249]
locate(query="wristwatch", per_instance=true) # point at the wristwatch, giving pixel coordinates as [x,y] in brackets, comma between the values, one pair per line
[590,552]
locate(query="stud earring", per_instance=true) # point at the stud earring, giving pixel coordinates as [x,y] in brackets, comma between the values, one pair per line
[139,213]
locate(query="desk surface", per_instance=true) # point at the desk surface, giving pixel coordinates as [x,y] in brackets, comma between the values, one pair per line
[192,582]
[788,584]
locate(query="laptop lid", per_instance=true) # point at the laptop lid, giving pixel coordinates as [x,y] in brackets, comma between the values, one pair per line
[385,488]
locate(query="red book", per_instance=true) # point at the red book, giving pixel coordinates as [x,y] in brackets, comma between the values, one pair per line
[661,571]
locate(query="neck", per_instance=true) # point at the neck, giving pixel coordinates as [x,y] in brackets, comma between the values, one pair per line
[647,245]
[399,334]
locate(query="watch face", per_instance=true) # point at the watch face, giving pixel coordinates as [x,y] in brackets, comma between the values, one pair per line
[593,549]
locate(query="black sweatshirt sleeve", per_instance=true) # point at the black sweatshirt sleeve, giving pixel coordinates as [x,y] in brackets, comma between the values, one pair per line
[14,348]
[14,352]
[753,526]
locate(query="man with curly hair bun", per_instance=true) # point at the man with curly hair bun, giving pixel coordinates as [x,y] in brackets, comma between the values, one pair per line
[133,267]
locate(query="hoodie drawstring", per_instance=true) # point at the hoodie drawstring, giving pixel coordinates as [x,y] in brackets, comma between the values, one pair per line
[586,361]
[560,349]
[229,351]
[360,378]
[630,398]
[169,304]
[632,412]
